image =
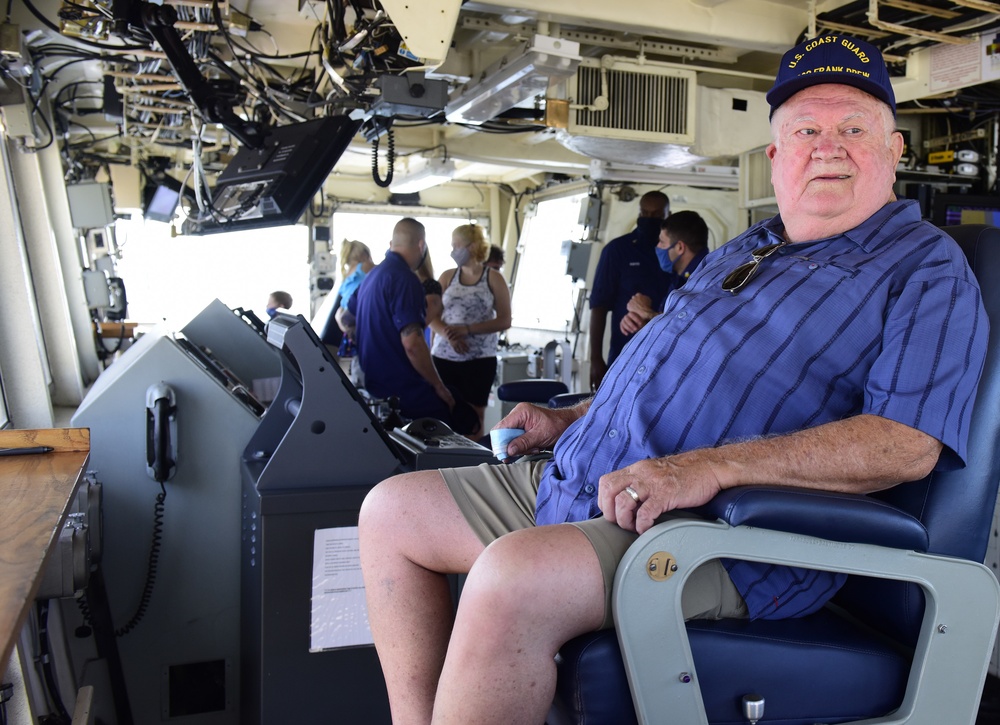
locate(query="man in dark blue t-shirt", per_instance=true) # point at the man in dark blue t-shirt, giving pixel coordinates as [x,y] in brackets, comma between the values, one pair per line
[390,308]
[627,266]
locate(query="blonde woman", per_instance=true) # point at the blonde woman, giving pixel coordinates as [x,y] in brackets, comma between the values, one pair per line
[356,263]
[476,309]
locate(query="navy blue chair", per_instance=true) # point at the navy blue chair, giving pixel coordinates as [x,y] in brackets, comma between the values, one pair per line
[908,639]
[531,390]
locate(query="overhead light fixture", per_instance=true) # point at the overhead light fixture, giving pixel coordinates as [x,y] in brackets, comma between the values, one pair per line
[516,77]
[435,172]
[701,175]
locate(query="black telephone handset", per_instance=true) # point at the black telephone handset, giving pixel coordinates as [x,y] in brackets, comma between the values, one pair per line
[161,465]
[161,432]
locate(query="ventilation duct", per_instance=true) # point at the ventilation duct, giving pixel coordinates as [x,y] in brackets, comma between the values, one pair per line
[755,181]
[645,102]
[655,114]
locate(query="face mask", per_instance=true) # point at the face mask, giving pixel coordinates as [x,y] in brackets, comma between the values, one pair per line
[462,255]
[663,257]
[271,312]
[649,228]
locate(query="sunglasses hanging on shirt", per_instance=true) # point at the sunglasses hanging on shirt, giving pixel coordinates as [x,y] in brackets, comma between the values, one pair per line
[739,277]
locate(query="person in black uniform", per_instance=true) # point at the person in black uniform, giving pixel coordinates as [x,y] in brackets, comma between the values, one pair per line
[627,265]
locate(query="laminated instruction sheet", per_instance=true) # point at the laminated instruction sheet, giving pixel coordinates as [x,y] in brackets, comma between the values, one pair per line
[339,612]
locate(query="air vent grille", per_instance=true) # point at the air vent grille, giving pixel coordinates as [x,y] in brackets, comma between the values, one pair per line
[646,103]
[755,172]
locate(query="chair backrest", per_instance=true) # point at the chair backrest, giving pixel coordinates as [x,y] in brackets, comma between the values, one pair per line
[956,507]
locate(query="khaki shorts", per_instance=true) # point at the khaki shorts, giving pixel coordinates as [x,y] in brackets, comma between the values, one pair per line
[499,499]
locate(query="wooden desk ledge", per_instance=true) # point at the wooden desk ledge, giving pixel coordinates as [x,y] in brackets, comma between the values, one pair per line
[35,495]
[116,329]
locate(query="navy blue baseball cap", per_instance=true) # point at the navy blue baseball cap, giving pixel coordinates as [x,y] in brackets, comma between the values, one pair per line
[832,59]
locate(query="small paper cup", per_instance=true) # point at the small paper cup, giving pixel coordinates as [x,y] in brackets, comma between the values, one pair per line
[500,437]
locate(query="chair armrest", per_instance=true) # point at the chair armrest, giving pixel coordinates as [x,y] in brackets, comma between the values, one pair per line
[531,390]
[566,400]
[833,516]
[963,596]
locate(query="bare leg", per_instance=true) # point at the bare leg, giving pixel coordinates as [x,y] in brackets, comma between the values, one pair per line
[411,534]
[528,594]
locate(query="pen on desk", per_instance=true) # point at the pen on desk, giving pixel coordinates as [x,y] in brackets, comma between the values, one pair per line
[25,451]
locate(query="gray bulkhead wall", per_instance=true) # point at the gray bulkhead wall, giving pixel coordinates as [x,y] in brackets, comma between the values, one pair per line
[22,361]
[54,252]
[48,355]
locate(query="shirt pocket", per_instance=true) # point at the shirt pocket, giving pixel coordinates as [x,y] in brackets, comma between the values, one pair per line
[820,290]
[806,278]
[823,269]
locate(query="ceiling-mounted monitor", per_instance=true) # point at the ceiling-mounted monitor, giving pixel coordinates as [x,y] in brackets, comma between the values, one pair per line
[161,195]
[272,185]
[162,204]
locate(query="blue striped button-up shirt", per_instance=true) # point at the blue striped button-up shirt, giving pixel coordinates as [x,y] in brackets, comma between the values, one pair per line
[885,319]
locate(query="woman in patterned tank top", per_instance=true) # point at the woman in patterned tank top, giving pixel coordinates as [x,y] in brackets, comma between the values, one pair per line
[476,309]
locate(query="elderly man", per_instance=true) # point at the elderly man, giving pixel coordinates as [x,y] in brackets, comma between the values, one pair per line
[390,310]
[836,347]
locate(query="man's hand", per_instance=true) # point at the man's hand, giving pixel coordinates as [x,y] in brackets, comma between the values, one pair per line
[662,484]
[445,395]
[640,311]
[641,305]
[542,426]
[415,347]
[598,319]
[598,369]
[631,323]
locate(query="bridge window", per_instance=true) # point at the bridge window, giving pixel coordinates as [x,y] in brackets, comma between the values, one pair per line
[545,298]
[173,278]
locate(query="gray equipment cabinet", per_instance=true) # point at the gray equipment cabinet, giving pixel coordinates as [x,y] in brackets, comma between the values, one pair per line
[316,453]
[238,344]
[179,663]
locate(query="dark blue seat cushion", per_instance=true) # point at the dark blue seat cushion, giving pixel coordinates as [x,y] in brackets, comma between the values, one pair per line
[826,669]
